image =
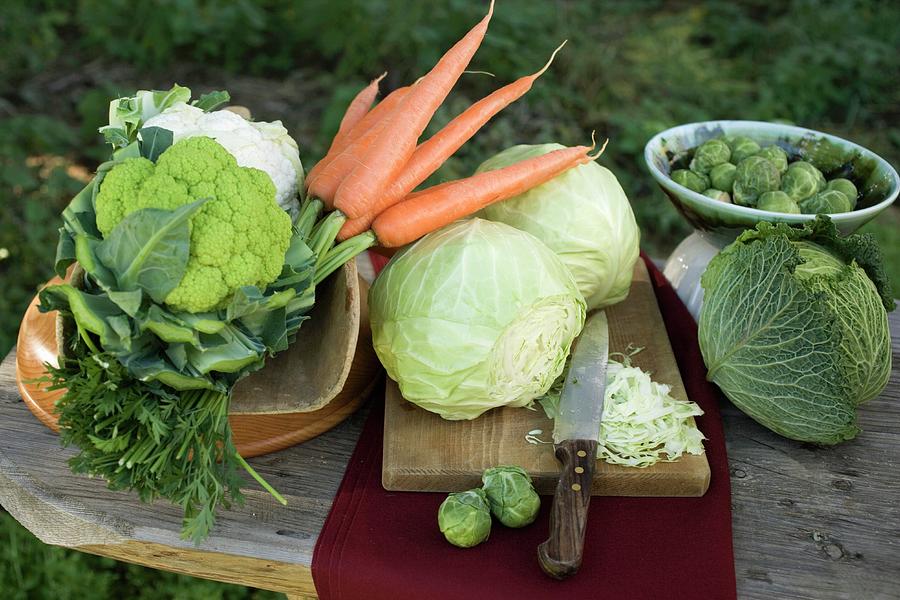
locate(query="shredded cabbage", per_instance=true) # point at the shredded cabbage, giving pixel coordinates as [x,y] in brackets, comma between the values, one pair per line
[642,423]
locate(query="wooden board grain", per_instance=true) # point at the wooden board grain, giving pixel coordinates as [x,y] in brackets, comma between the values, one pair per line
[256,432]
[423,452]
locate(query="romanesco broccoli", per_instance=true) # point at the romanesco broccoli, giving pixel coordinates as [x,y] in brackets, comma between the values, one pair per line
[238,238]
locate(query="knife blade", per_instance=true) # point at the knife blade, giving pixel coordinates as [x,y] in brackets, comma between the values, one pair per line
[575,435]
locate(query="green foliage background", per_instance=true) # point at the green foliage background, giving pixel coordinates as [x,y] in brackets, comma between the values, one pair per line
[630,69]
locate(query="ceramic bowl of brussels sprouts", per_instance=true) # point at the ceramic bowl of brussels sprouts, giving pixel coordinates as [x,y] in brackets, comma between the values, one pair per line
[726,176]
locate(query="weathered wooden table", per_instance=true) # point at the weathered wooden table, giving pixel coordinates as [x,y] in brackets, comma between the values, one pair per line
[809,522]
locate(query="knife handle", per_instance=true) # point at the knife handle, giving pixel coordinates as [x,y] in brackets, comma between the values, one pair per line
[560,555]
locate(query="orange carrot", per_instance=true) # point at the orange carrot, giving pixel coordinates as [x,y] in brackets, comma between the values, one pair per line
[435,207]
[353,227]
[430,155]
[328,180]
[374,116]
[358,108]
[387,156]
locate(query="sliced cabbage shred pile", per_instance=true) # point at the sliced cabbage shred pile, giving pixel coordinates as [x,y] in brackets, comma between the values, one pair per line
[642,423]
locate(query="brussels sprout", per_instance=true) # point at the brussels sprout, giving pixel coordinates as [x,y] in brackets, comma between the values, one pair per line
[776,156]
[779,202]
[846,187]
[828,202]
[741,147]
[709,154]
[754,176]
[802,180]
[718,195]
[511,495]
[465,518]
[695,182]
[722,177]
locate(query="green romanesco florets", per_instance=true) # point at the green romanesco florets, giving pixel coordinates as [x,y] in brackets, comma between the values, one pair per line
[239,237]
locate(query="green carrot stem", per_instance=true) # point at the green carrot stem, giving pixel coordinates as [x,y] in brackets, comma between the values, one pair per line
[260,480]
[324,233]
[342,253]
[309,214]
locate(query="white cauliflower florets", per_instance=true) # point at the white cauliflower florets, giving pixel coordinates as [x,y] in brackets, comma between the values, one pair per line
[261,145]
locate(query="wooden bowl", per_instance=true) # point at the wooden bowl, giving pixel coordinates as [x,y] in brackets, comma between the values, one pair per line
[300,394]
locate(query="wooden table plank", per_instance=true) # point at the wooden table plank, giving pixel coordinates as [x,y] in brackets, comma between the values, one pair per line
[817,523]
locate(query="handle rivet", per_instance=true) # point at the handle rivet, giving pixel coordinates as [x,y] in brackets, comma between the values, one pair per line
[576,487]
[581,453]
[579,470]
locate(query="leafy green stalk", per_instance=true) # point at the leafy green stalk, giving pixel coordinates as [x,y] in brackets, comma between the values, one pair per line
[146,438]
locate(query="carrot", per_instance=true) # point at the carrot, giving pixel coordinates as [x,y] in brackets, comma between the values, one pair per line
[435,207]
[328,180]
[358,108]
[374,116]
[356,226]
[431,154]
[386,157]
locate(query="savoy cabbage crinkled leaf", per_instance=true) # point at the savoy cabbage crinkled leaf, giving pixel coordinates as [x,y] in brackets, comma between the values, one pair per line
[793,328]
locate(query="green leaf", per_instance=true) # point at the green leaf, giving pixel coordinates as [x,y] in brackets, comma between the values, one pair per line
[149,249]
[212,100]
[115,136]
[773,345]
[155,141]
[92,313]
[229,351]
[168,327]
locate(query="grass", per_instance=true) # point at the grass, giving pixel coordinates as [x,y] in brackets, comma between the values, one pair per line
[31,570]
[630,69]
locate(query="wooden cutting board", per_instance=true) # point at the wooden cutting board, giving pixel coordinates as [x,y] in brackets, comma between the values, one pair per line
[423,452]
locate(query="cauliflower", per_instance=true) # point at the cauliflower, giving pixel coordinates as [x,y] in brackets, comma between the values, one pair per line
[239,237]
[261,145]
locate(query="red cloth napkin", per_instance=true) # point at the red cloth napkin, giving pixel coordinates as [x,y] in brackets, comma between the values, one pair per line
[377,544]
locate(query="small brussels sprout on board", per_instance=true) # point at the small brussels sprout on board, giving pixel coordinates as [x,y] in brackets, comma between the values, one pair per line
[465,518]
[776,156]
[826,202]
[709,154]
[741,147]
[802,180]
[721,177]
[511,495]
[846,187]
[779,202]
[755,175]
[718,195]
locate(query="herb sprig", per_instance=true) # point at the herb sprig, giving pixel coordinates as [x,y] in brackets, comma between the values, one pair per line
[142,437]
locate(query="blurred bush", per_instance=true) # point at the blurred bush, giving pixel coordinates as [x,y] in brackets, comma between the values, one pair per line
[628,71]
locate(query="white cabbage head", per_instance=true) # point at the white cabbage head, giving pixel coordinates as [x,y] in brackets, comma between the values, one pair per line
[474,316]
[582,215]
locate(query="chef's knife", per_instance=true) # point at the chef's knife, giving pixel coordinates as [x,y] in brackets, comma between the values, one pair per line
[575,435]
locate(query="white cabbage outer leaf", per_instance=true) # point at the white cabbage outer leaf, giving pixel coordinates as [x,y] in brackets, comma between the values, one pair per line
[260,145]
[582,215]
[474,316]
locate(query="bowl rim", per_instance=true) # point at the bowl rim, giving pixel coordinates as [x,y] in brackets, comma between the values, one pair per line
[755,213]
